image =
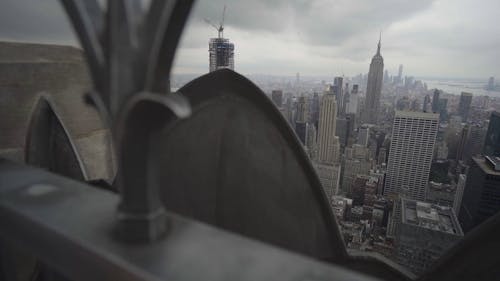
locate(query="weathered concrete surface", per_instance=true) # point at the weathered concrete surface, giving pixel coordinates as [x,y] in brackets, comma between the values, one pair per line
[58,73]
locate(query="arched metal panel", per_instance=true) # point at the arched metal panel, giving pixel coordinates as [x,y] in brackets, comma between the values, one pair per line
[235,163]
[48,144]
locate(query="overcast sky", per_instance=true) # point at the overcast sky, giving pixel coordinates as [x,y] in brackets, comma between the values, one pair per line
[440,38]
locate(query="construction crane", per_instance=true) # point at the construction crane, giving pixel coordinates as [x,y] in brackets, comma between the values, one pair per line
[220,27]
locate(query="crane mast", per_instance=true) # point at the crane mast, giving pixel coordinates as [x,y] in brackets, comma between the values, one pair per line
[220,27]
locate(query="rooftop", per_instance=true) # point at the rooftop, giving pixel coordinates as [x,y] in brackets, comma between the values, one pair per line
[445,187]
[417,114]
[486,166]
[493,161]
[430,216]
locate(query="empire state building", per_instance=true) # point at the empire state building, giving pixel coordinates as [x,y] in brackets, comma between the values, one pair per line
[373,88]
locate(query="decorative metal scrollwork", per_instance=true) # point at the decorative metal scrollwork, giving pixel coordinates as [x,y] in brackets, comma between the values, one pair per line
[130,54]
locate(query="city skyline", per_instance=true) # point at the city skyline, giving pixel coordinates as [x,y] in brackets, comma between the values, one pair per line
[430,38]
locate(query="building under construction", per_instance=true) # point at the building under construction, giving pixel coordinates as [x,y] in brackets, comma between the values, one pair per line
[221,51]
[221,54]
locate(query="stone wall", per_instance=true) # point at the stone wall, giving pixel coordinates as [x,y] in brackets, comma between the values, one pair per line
[58,74]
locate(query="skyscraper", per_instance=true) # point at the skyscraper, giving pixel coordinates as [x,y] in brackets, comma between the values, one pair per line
[345,100]
[351,124]
[315,109]
[352,105]
[311,143]
[481,198]
[363,135]
[302,110]
[492,140]
[374,88]
[443,109]
[382,155]
[491,84]
[462,141]
[435,101]
[471,142]
[277,97]
[459,193]
[298,88]
[410,153]
[289,110]
[464,105]
[338,91]
[327,165]
[302,118]
[221,53]
[400,73]
[327,125]
[342,130]
[427,104]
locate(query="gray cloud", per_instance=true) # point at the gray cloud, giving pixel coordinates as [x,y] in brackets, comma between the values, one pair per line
[317,37]
[319,22]
[35,21]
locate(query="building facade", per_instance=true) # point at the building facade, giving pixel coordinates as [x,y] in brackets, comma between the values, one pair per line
[426,107]
[327,142]
[481,198]
[464,105]
[329,175]
[338,91]
[311,143]
[435,101]
[459,193]
[363,135]
[410,153]
[277,98]
[357,162]
[400,74]
[471,143]
[327,162]
[302,118]
[352,104]
[492,139]
[491,84]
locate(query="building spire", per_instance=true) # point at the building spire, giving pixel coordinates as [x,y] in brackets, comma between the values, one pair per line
[379,40]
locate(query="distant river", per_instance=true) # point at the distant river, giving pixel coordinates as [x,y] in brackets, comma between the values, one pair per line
[458,86]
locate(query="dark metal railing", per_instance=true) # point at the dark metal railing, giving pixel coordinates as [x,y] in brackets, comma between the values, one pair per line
[69,226]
